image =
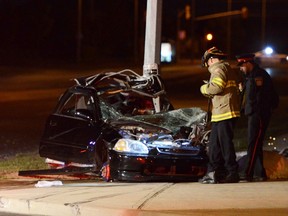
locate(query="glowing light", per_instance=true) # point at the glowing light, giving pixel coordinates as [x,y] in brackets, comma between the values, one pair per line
[166,52]
[268,51]
[209,37]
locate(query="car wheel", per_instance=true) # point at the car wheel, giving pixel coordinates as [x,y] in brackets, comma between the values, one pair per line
[102,161]
[105,172]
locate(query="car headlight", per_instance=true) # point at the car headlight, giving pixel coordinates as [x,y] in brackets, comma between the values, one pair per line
[131,146]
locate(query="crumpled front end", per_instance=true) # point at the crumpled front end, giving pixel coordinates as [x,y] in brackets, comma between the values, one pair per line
[148,152]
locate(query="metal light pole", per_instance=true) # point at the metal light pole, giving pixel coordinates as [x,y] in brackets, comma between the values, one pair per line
[136,30]
[263,22]
[152,37]
[153,43]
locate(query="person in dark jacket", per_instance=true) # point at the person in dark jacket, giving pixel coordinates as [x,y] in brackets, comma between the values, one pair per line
[260,98]
[223,91]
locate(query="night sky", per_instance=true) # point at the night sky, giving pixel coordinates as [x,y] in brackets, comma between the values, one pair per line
[47,30]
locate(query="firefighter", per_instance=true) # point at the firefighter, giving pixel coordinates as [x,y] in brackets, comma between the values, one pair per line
[223,91]
[260,98]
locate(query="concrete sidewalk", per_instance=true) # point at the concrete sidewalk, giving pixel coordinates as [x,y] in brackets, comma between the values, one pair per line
[87,198]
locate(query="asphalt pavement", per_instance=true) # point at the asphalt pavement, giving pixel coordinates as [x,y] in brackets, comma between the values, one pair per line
[75,198]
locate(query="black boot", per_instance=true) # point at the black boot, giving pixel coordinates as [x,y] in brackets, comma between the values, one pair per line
[231,178]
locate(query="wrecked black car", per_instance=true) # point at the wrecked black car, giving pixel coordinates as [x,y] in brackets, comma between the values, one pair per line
[123,126]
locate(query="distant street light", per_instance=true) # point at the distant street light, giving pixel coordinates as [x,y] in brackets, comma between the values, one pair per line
[207,40]
[263,22]
[182,34]
[244,12]
[187,12]
[209,37]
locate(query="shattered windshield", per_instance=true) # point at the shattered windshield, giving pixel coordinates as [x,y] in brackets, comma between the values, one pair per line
[171,120]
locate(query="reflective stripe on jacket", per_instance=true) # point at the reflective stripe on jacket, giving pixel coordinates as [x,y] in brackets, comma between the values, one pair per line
[224,91]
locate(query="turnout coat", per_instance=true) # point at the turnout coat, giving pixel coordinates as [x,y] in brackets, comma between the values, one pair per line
[223,89]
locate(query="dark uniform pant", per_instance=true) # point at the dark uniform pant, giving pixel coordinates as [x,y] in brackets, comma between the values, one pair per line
[257,126]
[221,147]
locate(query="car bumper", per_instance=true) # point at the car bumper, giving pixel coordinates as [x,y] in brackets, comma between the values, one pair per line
[157,168]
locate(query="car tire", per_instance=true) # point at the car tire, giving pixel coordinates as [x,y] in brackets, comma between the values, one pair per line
[102,161]
[105,172]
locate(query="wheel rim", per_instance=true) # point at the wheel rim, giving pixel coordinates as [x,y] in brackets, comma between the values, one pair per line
[105,172]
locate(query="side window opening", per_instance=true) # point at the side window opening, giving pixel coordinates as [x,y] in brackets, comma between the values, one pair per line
[78,105]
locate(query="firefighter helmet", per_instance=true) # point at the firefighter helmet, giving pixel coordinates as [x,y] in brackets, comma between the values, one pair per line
[210,53]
